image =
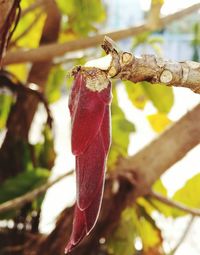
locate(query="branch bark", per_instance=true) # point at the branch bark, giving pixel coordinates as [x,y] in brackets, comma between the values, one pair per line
[153,69]
[171,146]
[30,196]
[50,51]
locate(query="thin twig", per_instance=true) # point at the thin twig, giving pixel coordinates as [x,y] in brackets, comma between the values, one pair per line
[30,196]
[178,205]
[185,233]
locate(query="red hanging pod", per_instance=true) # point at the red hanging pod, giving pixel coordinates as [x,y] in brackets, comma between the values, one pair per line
[87,111]
[90,115]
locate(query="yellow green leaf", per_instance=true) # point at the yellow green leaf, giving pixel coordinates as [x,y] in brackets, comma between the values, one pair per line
[159,121]
[161,96]
[136,94]
[188,195]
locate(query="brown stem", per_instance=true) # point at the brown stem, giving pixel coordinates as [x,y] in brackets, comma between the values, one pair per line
[50,51]
[153,69]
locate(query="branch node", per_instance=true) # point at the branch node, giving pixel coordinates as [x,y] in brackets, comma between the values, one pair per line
[166,76]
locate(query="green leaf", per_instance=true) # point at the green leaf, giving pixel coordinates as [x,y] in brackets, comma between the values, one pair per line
[82,15]
[122,239]
[19,70]
[159,121]
[21,184]
[54,84]
[134,223]
[188,195]
[161,96]
[31,29]
[121,130]
[159,187]
[44,152]
[152,205]
[136,94]
[148,230]
[5,104]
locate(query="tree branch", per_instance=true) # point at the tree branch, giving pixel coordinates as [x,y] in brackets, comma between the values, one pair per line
[30,196]
[152,161]
[153,69]
[172,203]
[50,51]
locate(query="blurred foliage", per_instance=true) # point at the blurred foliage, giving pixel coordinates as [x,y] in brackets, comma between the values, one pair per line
[5,104]
[161,96]
[135,225]
[121,130]
[55,83]
[159,121]
[147,40]
[80,19]
[196,42]
[20,185]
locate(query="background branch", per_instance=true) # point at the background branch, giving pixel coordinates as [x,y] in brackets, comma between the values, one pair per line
[50,51]
[30,196]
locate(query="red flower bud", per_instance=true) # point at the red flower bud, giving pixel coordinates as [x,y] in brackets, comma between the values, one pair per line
[90,117]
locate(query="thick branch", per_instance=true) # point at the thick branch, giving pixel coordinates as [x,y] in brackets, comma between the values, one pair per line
[30,196]
[171,146]
[50,51]
[153,69]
